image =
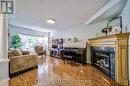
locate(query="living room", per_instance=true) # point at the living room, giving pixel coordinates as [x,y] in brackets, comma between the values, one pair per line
[65,43]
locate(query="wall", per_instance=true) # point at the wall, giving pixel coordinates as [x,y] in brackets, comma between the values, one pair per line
[126,27]
[126,17]
[82,32]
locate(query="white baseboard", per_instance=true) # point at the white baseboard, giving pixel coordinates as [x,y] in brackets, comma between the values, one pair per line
[4,82]
[4,70]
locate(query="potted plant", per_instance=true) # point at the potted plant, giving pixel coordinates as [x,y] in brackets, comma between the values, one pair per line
[15,41]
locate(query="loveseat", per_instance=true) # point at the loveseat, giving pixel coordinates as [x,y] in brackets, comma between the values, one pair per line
[22,63]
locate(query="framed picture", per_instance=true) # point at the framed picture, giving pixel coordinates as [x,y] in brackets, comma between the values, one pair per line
[116,25]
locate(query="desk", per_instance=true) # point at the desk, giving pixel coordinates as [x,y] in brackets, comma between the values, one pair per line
[79,55]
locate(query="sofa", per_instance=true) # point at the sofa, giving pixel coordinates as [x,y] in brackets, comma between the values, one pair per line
[22,62]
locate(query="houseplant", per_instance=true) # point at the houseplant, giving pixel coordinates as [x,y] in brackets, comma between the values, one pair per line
[15,41]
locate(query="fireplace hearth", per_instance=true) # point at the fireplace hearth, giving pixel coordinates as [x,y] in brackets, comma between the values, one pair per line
[103,59]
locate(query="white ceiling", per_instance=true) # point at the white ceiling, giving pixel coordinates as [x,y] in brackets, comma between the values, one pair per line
[67,13]
[110,12]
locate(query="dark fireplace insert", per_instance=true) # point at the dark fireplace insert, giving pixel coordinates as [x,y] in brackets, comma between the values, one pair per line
[103,59]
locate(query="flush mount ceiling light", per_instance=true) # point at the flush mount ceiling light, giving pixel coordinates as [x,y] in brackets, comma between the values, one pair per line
[50,21]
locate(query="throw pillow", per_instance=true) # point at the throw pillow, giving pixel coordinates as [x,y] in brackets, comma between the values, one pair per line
[25,52]
[19,52]
[11,54]
[15,53]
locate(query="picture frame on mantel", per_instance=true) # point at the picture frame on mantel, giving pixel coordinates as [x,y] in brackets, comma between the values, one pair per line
[116,25]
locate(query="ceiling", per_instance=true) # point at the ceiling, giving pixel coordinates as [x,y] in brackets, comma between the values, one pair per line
[113,11]
[67,13]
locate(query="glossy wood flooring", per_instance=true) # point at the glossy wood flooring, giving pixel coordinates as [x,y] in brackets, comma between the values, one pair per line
[53,72]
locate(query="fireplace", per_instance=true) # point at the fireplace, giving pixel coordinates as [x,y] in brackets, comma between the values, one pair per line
[116,47]
[103,59]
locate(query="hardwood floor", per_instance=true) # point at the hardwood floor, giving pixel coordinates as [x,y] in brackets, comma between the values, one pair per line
[53,72]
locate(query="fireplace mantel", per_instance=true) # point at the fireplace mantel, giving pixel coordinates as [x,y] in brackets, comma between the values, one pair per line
[120,43]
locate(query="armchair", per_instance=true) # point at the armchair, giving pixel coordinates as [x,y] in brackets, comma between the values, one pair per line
[39,50]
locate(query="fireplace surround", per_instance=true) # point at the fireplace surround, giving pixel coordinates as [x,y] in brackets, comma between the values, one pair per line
[103,58]
[120,44]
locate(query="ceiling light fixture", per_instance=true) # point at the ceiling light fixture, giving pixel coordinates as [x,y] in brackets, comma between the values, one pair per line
[50,21]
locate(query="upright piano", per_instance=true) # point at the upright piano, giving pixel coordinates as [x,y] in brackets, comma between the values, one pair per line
[79,54]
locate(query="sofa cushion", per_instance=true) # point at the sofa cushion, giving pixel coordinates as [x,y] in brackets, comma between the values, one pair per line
[40,52]
[25,52]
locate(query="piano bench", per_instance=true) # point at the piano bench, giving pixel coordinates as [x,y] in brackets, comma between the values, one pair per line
[68,58]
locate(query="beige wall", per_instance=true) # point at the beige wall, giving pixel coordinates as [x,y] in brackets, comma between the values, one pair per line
[81,31]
